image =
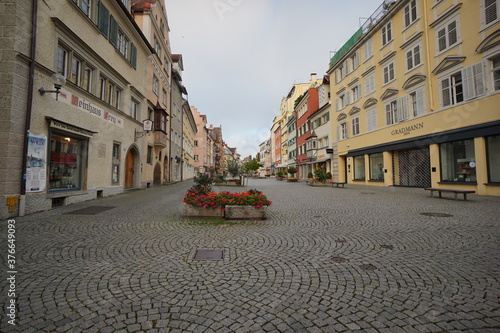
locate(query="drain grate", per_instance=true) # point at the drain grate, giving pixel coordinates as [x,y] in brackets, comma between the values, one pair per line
[209,254]
[436,214]
[338,259]
[390,247]
[92,210]
[368,267]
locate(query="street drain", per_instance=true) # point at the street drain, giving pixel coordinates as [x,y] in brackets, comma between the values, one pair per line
[338,259]
[368,267]
[209,254]
[390,247]
[92,210]
[436,214]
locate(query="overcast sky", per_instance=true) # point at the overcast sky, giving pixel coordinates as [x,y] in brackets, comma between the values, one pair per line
[241,57]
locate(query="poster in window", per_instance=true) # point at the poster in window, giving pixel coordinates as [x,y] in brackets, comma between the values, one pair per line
[36,164]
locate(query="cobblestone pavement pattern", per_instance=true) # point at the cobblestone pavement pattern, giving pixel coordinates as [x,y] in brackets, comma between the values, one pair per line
[327,260]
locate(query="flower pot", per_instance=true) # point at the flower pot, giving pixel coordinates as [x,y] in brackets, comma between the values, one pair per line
[245,213]
[192,211]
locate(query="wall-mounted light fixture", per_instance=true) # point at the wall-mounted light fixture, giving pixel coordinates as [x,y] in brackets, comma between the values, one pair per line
[58,80]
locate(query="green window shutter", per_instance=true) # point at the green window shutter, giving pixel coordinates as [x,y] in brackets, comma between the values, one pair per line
[103,20]
[113,31]
[133,55]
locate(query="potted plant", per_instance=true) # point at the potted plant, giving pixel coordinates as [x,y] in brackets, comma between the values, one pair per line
[329,177]
[279,175]
[310,176]
[292,171]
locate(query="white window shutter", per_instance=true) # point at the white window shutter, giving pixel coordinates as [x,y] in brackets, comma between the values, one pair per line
[420,95]
[468,83]
[338,132]
[337,104]
[478,71]
[403,108]
[445,92]
[359,91]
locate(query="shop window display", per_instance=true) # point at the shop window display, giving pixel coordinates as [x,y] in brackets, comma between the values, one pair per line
[458,161]
[359,167]
[376,166]
[65,166]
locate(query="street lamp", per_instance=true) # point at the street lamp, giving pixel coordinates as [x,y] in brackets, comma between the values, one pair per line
[58,80]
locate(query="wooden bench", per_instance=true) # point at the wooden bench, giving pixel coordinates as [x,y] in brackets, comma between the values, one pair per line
[337,184]
[456,192]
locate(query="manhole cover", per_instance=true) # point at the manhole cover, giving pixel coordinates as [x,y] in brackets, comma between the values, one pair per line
[436,214]
[368,267]
[338,259]
[390,247]
[206,254]
[92,210]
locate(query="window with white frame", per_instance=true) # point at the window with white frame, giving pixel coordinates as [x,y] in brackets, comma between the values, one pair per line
[164,96]
[491,11]
[156,85]
[386,34]
[413,58]
[355,60]
[447,35]
[496,73]
[371,119]
[410,13]
[355,125]
[463,85]
[85,6]
[76,70]
[370,84]
[123,43]
[62,60]
[87,78]
[368,49]
[389,74]
[342,131]
[133,109]
[391,113]
[356,92]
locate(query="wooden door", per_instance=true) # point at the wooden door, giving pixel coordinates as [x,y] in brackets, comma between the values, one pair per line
[129,169]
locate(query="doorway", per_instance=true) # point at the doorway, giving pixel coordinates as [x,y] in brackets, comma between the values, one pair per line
[130,161]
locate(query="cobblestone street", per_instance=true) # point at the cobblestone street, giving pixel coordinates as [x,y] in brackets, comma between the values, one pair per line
[327,259]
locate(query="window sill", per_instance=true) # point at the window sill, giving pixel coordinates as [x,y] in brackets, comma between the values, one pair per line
[492,184]
[60,193]
[376,180]
[411,24]
[458,183]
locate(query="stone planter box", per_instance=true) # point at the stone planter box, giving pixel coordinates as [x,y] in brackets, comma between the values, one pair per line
[245,213]
[191,211]
[227,184]
[318,184]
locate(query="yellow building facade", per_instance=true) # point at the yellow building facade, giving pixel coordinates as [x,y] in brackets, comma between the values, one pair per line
[414,97]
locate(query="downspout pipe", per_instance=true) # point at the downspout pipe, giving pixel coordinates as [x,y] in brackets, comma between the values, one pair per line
[29,108]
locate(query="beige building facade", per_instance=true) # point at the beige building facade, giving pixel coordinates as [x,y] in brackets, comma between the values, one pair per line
[81,141]
[415,93]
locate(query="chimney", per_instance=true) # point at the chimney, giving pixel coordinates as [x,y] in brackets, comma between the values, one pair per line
[313,77]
